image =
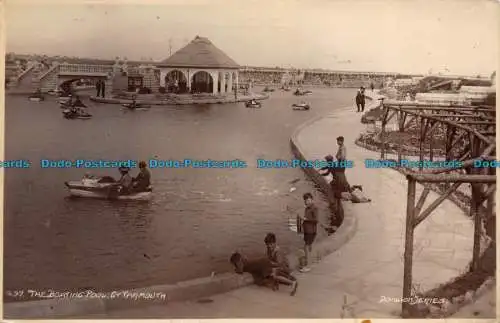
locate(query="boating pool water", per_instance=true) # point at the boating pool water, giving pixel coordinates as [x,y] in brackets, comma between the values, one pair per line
[197,216]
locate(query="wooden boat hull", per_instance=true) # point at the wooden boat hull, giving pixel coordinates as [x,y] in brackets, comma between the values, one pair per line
[102,191]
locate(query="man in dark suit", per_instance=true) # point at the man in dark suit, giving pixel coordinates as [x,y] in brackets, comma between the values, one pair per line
[103,88]
[360,99]
[98,87]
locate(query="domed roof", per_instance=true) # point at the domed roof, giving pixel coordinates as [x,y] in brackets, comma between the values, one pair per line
[200,52]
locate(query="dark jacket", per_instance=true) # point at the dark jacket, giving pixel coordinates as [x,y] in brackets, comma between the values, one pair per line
[143,180]
[360,98]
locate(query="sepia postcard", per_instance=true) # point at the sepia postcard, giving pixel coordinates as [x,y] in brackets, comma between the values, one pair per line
[215,159]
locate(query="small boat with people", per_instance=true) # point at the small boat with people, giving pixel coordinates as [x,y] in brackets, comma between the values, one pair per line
[64,105]
[64,99]
[106,187]
[300,92]
[37,96]
[75,109]
[301,106]
[136,107]
[253,104]
[76,114]
[268,89]
[54,92]
[285,88]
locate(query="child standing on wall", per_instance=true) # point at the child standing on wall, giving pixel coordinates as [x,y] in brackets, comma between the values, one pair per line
[309,227]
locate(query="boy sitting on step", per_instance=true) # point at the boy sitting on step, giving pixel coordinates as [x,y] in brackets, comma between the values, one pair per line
[277,258]
[262,270]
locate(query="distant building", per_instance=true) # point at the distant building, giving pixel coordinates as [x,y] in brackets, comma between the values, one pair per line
[199,67]
[405,82]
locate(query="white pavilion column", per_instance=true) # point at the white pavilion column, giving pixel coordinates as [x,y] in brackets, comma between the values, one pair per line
[230,83]
[223,83]
[188,79]
[163,74]
[215,77]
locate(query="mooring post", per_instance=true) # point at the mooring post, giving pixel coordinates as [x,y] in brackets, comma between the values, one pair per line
[408,256]
[489,214]
[477,227]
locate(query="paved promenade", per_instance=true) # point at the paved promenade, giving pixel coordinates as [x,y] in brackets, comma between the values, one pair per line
[368,267]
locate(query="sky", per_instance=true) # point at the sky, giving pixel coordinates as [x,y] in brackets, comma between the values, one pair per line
[405,36]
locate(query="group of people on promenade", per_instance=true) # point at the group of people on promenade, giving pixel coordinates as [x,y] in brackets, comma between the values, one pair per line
[274,269]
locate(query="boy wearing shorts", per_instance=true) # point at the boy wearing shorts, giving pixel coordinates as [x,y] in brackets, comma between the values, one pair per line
[309,227]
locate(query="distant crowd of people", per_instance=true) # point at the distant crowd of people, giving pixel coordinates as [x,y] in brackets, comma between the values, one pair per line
[311,78]
[258,77]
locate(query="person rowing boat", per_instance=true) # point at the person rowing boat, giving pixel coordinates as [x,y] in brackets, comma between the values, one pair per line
[143,179]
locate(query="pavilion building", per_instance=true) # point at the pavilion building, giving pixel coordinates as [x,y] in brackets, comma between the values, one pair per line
[199,67]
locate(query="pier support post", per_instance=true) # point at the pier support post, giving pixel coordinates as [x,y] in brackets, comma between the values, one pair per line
[408,255]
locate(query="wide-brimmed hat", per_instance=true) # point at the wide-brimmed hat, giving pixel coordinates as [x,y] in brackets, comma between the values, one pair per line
[124,169]
[329,157]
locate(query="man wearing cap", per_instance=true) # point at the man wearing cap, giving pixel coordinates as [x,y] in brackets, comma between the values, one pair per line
[143,179]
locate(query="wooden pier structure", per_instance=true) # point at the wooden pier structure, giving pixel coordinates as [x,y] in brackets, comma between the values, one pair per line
[469,135]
